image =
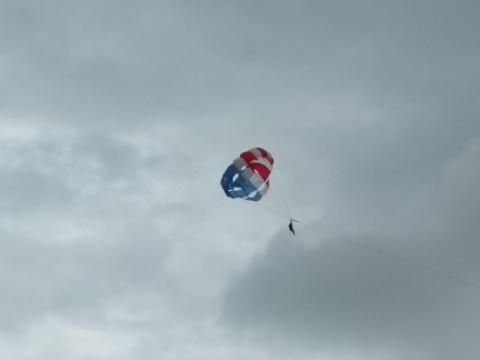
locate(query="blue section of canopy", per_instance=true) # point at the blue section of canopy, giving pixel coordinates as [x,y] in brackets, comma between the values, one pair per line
[236,185]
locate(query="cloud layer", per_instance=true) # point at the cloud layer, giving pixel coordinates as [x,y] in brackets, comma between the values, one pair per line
[117,120]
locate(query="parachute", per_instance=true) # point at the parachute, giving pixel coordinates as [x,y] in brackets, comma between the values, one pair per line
[248,176]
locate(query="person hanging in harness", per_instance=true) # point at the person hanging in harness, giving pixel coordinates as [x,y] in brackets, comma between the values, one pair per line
[290,225]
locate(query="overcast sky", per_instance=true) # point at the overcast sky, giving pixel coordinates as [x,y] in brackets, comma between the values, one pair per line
[118,118]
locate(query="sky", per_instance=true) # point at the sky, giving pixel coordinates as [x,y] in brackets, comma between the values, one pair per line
[118,118]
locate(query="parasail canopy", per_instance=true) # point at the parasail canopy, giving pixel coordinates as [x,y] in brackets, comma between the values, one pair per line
[248,176]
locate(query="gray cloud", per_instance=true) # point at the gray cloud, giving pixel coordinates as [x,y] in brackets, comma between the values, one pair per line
[66,246]
[117,120]
[402,278]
